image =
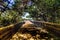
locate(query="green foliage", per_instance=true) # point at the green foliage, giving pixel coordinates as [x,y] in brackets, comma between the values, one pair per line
[45,10]
[13,15]
[9,17]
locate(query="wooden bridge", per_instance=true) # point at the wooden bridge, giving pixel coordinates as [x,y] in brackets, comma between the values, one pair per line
[7,32]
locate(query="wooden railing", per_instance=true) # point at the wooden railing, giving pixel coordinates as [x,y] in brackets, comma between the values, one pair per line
[8,31]
[51,27]
[5,32]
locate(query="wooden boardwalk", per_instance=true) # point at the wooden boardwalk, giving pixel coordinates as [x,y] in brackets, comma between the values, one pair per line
[7,32]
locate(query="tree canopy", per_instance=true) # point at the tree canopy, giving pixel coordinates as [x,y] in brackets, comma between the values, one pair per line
[41,10]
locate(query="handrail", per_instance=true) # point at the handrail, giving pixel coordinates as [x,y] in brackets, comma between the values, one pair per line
[51,27]
[8,31]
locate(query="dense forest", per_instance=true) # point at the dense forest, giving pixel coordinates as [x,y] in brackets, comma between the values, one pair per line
[30,19]
[41,10]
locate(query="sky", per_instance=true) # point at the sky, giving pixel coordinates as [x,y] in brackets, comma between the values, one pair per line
[25,16]
[9,3]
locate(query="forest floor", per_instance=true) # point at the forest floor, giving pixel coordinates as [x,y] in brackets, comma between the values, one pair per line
[32,34]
